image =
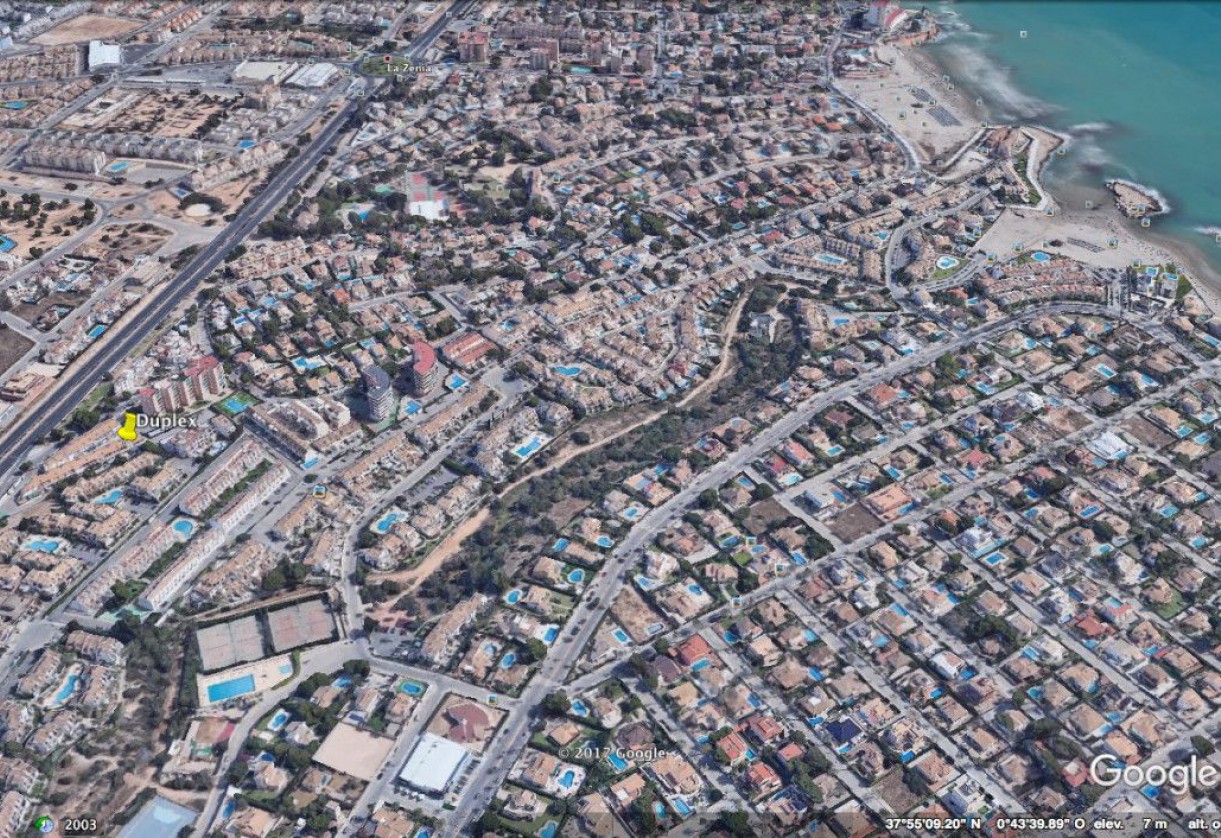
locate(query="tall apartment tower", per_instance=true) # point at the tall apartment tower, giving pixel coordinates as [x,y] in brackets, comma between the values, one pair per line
[378,393]
[425,371]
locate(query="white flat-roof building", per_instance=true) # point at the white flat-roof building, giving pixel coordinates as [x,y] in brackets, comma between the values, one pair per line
[314,75]
[104,55]
[432,210]
[1109,446]
[260,72]
[433,764]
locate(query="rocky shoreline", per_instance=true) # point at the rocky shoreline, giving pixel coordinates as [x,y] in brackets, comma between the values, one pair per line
[1135,200]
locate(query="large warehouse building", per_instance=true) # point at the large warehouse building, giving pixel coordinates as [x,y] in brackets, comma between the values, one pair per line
[433,764]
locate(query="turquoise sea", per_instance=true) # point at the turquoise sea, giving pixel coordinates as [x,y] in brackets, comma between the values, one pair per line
[1135,84]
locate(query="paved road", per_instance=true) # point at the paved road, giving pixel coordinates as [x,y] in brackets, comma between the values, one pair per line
[326,658]
[81,380]
[598,598]
[425,39]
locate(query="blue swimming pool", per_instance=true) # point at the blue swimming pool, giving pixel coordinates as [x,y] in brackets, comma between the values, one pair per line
[184,527]
[567,779]
[412,688]
[66,689]
[551,634]
[388,520]
[508,660]
[278,721]
[568,371]
[617,762]
[1040,256]
[576,576]
[232,688]
[621,636]
[235,404]
[43,545]
[560,545]
[111,497]
[159,817]
[307,364]
[529,448]
[513,596]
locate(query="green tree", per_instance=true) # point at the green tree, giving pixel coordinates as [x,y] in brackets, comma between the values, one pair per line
[556,704]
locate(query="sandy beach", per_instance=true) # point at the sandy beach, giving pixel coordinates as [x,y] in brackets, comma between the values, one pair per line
[905,94]
[1101,236]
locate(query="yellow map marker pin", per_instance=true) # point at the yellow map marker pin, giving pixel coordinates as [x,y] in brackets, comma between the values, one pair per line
[127,431]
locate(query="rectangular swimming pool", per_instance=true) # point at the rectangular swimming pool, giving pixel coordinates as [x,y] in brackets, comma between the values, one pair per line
[232,688]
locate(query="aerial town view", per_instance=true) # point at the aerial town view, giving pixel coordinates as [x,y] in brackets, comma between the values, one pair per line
[432,418]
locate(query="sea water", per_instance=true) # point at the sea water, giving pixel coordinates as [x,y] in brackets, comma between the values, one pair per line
[1135,85]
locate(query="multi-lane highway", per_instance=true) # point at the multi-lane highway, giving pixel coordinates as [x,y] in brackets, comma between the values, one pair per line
[424,41]
[81,380]
[16,441]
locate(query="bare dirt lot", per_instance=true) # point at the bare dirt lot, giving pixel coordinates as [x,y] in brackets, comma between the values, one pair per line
[853,522]
[231,195]
[32,314]
[82,187]
[85,28]
[896,792]
[124,241]
[764,516]
[60,224]
[151,112]
[1146,432]
[12,347]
